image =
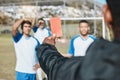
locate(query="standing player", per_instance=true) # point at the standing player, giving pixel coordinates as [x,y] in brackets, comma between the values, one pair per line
[40,33]
[80,43]
[25,48]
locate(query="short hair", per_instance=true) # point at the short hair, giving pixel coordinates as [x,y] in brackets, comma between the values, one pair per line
[41,19]
[84,21]
[114,6]
[25,22]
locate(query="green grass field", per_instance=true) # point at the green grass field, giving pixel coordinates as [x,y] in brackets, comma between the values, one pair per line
[8,59]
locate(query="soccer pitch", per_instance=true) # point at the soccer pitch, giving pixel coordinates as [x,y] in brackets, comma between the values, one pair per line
[7,58]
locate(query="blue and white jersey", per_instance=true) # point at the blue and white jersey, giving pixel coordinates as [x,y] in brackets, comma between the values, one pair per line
[79,45]
[25,48]
[41,34]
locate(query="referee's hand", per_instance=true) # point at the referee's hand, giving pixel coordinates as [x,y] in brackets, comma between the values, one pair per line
[50,40]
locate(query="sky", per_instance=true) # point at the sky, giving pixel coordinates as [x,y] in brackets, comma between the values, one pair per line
[101,1]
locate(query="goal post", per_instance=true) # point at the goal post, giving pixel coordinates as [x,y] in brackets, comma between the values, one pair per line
[105,31]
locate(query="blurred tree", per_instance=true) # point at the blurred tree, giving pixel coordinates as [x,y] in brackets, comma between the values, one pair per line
[5,20]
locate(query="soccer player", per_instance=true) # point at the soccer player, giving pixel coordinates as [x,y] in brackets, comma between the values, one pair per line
[25,48]
[41,31]
[80,43]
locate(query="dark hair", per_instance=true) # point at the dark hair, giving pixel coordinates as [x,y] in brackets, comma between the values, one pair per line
[84,21]
[41,19]
[114,6]
[25,22]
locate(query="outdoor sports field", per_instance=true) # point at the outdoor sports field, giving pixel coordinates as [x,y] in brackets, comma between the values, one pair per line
[8,59]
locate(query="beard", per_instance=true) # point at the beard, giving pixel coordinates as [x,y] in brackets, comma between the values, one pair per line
[84,33]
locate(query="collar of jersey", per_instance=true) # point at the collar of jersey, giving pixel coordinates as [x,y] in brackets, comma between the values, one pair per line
[84,38]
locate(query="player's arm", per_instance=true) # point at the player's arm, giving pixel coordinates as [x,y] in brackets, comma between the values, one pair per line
[33,20]
[71,49]
[34,27]
[16,26]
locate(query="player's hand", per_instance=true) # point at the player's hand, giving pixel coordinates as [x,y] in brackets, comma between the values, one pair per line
[50,40]
[36,66]
[28,19]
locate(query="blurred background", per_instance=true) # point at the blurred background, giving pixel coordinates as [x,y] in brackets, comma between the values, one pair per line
[70,12]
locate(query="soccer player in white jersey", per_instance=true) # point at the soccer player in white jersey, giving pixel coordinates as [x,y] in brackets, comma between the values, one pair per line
[40,33]
[25,48]
[80,43]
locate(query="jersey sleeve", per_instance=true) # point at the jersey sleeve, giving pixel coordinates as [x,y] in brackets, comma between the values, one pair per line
[17,37]
[71,48]
[35,29]
[37,46]
[49,32]
[93,37]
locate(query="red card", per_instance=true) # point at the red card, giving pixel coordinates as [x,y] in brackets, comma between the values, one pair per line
[55,25]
